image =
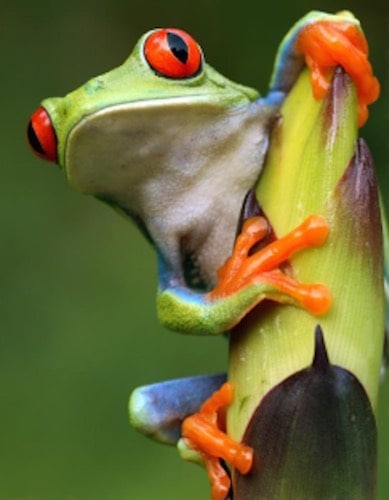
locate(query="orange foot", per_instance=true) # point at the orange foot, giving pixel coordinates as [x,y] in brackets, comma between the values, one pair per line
[202,433]
[329,43]
[243,269]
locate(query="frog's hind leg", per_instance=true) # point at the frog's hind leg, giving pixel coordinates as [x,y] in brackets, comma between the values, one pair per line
[158,410]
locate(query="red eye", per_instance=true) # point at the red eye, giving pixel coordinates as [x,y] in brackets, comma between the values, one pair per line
[41,135]
[173,53]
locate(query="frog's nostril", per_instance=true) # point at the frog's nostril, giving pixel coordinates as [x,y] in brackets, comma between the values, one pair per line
[41,135]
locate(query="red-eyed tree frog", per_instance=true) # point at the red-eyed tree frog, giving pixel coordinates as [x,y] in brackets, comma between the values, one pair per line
[178,148]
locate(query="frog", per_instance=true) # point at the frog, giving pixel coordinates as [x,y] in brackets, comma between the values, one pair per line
[178,148]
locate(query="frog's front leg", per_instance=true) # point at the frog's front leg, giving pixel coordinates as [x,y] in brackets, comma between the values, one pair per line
[247,278]
[323,41]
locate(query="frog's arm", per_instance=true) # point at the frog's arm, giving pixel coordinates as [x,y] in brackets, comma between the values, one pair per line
[244,281]
[323,41]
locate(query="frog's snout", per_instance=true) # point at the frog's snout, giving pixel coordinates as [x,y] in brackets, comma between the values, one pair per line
[41,135]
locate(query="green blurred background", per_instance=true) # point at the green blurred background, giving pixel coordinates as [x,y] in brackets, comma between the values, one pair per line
[77,298]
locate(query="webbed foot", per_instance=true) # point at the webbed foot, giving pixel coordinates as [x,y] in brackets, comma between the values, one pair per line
[203,433]
[327,43]
[243,269]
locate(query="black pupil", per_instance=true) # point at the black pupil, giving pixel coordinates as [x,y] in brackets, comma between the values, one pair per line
[178,47]
[33,139]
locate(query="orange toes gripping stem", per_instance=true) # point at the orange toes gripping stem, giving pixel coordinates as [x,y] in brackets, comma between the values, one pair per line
[243,268]
[327,44]
[202,433]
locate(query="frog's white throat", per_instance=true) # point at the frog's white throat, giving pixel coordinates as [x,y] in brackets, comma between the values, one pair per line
[182,169]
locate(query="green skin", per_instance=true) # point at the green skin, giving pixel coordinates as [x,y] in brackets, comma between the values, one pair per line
[177,156]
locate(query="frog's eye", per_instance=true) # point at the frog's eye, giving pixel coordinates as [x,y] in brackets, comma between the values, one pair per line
[41,135]
[173,53]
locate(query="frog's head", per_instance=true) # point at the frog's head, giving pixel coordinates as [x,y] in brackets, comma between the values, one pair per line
[164,97]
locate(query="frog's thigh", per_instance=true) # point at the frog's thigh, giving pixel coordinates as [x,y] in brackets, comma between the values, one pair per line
[158,410]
